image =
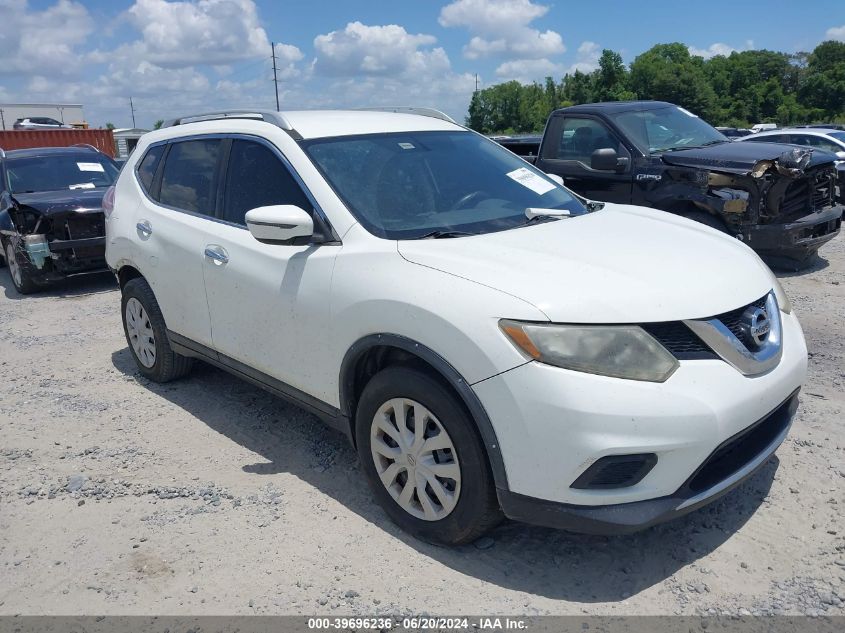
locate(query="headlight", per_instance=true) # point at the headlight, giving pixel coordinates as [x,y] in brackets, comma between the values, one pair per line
[621,351]
[784,303]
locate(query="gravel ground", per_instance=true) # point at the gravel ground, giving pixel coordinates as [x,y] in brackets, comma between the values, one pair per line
[209,496]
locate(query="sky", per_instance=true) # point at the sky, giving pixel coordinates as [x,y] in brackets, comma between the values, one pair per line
[179,58]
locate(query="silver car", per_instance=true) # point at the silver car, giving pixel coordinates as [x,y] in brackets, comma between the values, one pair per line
[39,123]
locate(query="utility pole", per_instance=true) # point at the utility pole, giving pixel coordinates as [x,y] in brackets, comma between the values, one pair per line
[132,108]
[275,79]
[476,82]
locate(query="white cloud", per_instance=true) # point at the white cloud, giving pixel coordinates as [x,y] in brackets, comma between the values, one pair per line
[836,33]
[719,48]
[587,58]
[502,27]
[387,50]
[527,71]
[46,42]
[178,34]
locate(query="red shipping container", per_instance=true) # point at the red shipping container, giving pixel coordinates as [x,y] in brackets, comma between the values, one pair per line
[103,140]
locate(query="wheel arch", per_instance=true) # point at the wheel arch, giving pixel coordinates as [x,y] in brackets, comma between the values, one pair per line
[372,353]
[126,273]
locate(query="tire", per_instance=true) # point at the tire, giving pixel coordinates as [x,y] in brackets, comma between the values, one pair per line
[707,219]
[469,507]
[20,269]
[146,335]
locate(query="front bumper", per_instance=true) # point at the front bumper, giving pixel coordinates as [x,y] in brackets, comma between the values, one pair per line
[553,424]
[798,240]
[65,258]
[625,518]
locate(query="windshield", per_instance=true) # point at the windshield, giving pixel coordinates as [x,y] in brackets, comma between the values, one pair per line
[839,136]
[416,184]
[666,129]
[53,173]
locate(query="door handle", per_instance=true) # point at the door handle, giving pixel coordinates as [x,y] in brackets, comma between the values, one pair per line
[217,254]
[144,228]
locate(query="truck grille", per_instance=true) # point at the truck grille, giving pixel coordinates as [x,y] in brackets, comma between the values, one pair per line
[813,192]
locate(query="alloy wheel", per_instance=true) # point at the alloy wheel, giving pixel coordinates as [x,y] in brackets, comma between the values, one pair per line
[415,459]
[140,332]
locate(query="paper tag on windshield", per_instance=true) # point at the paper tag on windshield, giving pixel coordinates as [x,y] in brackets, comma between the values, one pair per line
[90,167]
[406,145]
[83,185]
[528,178]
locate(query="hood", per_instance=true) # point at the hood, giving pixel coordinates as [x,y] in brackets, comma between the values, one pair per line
[737,156]
[622,264]
[62,201]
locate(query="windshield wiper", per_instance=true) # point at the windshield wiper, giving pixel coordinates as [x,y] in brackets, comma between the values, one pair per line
[537,219]
[441,233]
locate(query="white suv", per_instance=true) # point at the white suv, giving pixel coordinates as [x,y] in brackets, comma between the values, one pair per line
[490,342]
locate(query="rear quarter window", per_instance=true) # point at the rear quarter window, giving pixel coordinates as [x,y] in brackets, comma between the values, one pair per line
[147,167]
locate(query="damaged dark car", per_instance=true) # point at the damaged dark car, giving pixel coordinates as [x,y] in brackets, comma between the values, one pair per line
[51,213]
[780,199]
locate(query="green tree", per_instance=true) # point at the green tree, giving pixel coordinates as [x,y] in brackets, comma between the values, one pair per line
[157,125]
[109,126]
[610,80]
[667,72]
[577,88]
[824,86]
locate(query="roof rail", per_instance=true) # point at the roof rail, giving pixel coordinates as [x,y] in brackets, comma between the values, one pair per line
[429,112]
[269,116]
[88,145]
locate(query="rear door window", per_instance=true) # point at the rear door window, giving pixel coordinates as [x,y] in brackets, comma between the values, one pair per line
[189,176]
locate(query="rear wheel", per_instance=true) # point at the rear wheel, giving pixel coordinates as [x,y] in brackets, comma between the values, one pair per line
[146,334]
[19,270]
[423,458]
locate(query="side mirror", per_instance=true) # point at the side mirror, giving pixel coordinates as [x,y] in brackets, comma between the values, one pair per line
[278,224]
[605,159]
[556,178]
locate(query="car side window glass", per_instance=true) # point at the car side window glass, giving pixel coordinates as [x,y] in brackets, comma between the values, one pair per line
[820,143]
[148,165]
[189,175]
[257,178]
[579,138]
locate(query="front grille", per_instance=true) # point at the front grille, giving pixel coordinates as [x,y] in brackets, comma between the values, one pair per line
[733,319]
[684,344]
[742,448]
[84,226]
[679,340]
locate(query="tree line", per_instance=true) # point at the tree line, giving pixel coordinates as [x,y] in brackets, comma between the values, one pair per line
[738,90]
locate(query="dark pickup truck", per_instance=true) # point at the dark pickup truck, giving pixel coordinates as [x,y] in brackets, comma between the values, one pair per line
[781,200]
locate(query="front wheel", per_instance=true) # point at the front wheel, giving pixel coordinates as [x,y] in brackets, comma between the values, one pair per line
[423,458]
[19,270]
[146,334]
